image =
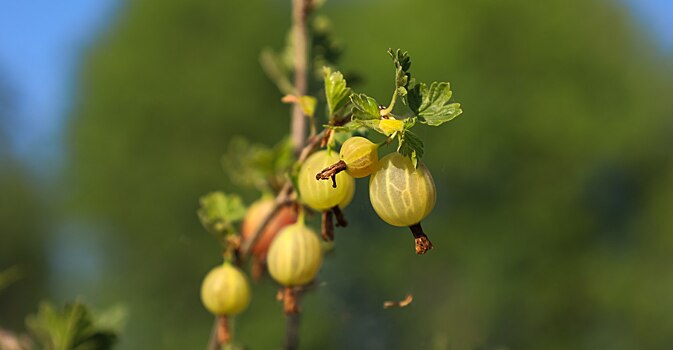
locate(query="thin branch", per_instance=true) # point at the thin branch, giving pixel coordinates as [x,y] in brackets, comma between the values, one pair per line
[213,342]
[299,13]
[292,331]
[300,9]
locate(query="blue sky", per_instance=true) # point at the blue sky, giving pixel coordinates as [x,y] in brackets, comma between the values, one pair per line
[41,43]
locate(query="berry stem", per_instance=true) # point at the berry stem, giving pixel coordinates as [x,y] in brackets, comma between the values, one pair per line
[331,171]
[223,333]
[292,332]
[340,217]
[422,241]
[327,226]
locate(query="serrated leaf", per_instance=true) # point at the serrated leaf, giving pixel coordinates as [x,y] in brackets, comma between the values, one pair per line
[400,58]
[410,145]
[432,105]
[364,107]
[402,63]
[336,91]
[219,211]
[73,328]
[357,124]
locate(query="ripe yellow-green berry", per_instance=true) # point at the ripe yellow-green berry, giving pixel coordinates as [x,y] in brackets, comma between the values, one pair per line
[360,155]
[295,256]
[321,195]
[225,290]
[401,194]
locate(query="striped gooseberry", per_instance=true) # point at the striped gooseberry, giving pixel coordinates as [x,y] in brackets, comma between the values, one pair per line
[295,255]
[403,195]
[360,155]
[321,195]
[286,215]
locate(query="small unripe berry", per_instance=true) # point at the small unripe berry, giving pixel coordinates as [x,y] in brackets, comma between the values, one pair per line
[225,290]
[360,156]
[321,195]
[295,256]
[401,194]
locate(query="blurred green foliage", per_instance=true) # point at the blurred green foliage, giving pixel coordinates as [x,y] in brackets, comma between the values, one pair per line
[552,228]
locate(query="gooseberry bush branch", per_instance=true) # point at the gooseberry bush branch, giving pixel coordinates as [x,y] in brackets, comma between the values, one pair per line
[314,171]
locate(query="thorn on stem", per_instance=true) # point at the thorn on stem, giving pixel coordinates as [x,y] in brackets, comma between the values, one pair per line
[422,241]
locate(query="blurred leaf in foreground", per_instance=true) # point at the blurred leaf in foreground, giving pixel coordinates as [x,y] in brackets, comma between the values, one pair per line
[75,327]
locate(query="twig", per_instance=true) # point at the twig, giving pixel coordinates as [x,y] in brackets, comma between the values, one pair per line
[213,342]
[402,303]
[292,332]
[299,13]
[300,9]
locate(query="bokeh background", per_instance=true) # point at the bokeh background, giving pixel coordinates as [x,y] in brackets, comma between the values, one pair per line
[553,227]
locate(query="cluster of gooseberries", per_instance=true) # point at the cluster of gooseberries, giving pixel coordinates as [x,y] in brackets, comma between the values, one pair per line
[401,194]
[401,191]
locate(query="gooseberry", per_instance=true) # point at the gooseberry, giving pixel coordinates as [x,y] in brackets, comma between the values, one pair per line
[403,195]
[253,218]
[225,290]
[360,155]
[295,255]
[321,195]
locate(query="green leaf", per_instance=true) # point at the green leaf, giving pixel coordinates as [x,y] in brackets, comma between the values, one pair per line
[402,63]
[410,145]
[336,90]
[74,328]
[358,125]
[219,211]
[432,105]
[308,104]
[365,107]
[258,166]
